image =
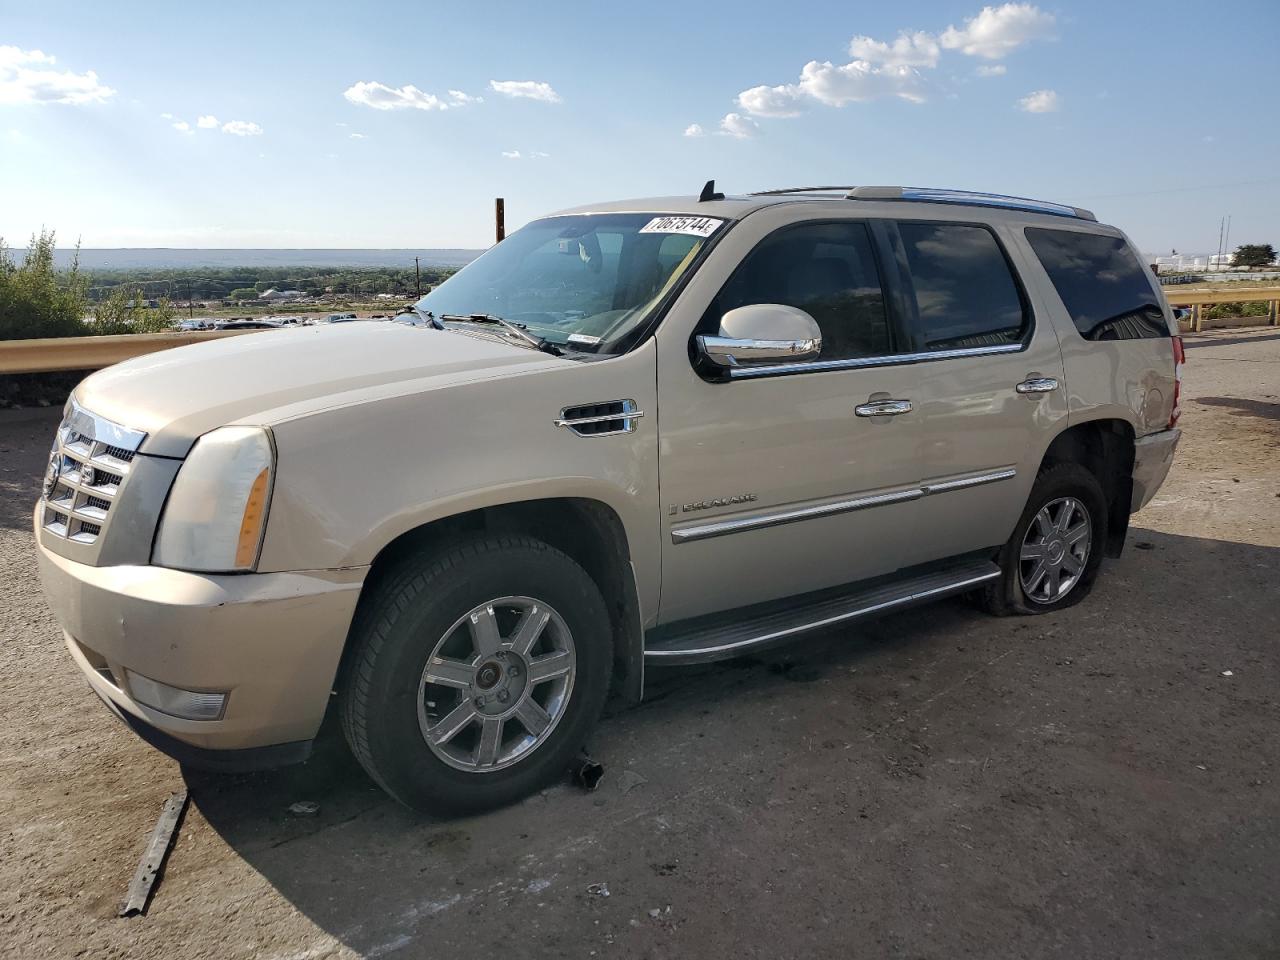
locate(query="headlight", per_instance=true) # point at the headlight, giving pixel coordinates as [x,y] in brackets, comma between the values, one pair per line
[217,509]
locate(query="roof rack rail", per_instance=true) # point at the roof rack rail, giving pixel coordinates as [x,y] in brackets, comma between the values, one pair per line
[969,198]
[785,190]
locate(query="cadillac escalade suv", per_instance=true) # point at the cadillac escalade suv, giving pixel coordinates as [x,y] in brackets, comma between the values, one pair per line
[653,432]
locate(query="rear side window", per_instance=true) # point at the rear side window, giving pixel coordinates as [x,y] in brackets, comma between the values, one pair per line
[825,269]
[1101,283]
[965,292]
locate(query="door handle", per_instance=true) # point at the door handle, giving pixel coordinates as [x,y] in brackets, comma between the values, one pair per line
[1037,385]
[882,408]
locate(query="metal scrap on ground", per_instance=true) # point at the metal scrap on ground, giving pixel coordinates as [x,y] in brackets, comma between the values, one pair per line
[153,858]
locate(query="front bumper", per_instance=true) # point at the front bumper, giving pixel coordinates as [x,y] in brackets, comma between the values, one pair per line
[1153,456]
[271,641]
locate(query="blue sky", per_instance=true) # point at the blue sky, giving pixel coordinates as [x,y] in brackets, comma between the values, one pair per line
[334,125]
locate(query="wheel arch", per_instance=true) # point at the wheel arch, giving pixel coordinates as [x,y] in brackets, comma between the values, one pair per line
[1104,446]
[589,531]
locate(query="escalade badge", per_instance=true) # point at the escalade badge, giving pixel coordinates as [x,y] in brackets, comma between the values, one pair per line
[719,502]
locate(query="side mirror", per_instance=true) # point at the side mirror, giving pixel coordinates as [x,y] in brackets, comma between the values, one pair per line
[762,333]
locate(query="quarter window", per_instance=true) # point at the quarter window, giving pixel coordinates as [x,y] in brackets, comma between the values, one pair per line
[1101,284]
[965,292]
[825,269]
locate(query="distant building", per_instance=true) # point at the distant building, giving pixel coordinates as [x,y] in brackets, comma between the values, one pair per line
[273,295]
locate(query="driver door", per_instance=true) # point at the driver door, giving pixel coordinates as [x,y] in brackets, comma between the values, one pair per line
[773,482]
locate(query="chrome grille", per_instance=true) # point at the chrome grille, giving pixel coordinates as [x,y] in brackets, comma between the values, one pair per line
[89,463]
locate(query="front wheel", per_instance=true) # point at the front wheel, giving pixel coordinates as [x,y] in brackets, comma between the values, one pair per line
[1053,557]
[476,674]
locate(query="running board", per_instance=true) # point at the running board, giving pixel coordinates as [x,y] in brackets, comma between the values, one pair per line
[704,639]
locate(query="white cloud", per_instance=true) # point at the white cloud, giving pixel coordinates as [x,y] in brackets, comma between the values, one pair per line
[737,126]
[531,155]
[356,136]
[766,101]
[694,130]
[182,126]
[370,93]
[1042,101]
[539,155]
[207,122]
[991,70]
[997,31]
[859,80]
[242,128]
[460,99]
[512,154]
[29,76]
[917,49]
[166,116]
[527,89]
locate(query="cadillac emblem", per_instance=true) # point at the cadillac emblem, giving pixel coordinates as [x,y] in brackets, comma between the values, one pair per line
[52,473]
[88,475]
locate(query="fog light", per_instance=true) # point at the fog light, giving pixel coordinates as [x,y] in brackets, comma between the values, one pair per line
[187,704]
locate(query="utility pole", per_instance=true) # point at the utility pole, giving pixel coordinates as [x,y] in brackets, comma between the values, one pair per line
[1226,246]
[499,219]
[417,276]
[1221,226]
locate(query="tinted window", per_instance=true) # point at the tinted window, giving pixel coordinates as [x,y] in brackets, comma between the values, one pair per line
[1101,283]
[964,290]
[825,269]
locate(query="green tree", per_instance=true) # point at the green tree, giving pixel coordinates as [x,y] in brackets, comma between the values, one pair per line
[1255,255]
[36,299]
[125,310]
[243,293]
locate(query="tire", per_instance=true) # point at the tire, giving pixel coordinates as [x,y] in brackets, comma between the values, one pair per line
[1019,591]
[423,610]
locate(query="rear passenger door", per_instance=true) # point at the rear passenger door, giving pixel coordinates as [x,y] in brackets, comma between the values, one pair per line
[988,389]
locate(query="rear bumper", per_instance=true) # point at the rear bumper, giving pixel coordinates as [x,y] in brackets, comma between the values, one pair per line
[1153,456]
[271,642]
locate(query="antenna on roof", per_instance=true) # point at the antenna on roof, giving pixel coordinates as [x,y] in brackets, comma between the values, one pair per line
[709,192]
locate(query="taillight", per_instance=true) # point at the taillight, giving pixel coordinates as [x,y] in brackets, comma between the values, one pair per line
[1179,358]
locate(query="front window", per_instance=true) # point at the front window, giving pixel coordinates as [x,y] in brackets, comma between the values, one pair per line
[584,282]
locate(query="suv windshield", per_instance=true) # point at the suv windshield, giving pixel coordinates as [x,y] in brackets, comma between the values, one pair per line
[582,281]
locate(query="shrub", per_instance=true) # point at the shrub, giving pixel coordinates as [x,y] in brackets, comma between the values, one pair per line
[36,299]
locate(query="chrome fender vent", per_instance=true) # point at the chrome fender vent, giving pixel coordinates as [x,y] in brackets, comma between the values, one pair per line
[600,419]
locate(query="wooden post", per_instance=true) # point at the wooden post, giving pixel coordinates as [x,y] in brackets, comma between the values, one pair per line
[1273,313]
[1196,319]
[499,219]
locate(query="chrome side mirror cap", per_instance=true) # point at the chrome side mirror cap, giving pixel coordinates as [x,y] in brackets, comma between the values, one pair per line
[762,333]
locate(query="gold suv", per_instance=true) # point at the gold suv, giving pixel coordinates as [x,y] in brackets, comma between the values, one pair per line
[651,432]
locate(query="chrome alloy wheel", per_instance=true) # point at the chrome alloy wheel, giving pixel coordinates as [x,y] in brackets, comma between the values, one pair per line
[496,684]
[1055,550]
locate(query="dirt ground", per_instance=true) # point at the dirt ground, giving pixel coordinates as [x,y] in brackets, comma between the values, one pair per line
[937,784]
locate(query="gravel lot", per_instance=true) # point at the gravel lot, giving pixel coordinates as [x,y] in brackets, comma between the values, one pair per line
[934,784]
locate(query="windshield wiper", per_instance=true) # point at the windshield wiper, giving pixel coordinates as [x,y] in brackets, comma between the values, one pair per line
[518,329]
[428,316]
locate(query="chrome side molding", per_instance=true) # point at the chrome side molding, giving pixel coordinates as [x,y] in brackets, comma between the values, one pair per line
[774,518]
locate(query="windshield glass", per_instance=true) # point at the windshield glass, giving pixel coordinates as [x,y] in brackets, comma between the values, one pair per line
[581,281]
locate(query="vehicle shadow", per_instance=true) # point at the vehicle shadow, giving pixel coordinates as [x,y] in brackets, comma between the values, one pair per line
[1195,341]
[1242,407]
[381,879]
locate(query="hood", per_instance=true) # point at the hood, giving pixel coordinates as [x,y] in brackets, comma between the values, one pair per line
[176,395]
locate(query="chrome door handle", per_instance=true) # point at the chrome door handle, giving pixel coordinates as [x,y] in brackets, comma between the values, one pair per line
[882,408]
[1037,385]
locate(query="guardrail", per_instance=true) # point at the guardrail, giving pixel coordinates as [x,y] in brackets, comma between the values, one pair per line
[1199,298]
[93,353]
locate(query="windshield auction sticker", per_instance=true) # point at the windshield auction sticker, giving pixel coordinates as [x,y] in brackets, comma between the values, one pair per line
[693,226]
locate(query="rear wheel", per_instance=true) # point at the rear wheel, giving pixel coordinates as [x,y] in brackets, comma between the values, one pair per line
[1053,557]
[477,674]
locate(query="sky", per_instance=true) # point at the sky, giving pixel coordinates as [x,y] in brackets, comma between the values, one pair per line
[278,124]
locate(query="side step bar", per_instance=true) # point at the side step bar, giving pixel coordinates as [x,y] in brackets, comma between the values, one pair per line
[704,639]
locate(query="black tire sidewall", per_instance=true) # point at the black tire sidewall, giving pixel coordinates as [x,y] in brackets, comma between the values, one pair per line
[1053,483]
[423,612]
